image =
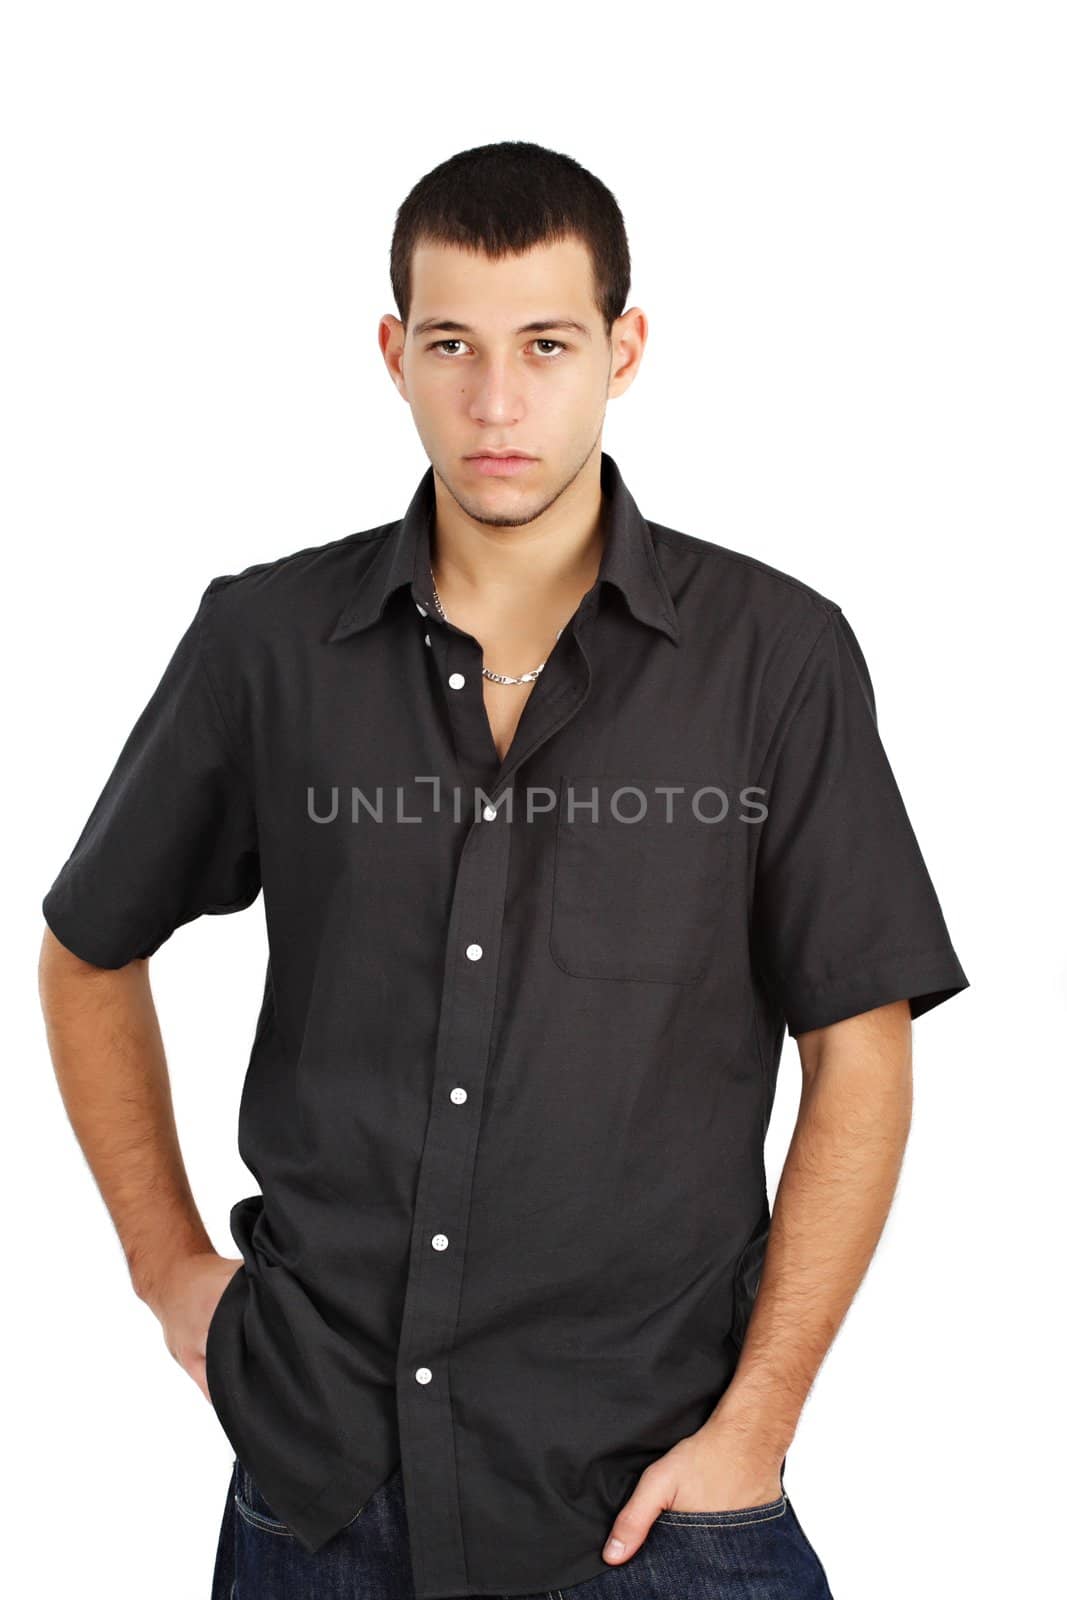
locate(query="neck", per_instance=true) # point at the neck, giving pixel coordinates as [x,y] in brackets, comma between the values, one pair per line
[548,562]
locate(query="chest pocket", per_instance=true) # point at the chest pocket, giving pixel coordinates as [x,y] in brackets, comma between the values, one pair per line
[638,891]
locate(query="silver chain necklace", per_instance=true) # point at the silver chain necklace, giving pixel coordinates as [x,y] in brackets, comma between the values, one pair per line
[497,677]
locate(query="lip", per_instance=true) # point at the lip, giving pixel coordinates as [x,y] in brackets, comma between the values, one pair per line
[502,466]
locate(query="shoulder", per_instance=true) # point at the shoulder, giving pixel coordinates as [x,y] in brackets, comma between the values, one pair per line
[771,617]
[299,593]
[742,579]
[746,614]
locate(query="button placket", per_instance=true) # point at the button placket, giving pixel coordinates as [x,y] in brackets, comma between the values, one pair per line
[430,1321]
[442,1205]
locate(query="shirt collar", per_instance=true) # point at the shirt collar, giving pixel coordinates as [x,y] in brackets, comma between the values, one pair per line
[629,560]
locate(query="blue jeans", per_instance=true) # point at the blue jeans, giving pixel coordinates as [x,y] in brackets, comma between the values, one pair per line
[760,1553]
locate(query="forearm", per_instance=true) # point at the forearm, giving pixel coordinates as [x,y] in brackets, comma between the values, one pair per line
[835,1192]
[107,1051]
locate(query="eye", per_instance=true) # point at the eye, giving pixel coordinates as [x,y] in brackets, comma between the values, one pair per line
[439,344]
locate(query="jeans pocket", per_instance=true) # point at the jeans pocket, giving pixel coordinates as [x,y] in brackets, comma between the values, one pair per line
[768,1511]
[253,1507]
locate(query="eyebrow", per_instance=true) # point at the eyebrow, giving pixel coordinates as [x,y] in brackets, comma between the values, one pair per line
[546,325]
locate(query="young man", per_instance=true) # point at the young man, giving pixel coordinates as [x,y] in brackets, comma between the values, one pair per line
[562,818]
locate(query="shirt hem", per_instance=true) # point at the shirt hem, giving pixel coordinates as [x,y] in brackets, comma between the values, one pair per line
[80,938]
[925,980]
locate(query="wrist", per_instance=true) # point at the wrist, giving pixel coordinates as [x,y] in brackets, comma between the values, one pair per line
[152,1274]
[751,1424]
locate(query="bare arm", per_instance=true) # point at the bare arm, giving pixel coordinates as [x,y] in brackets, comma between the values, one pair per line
[107,1051]
[836,1189]
[834,1197]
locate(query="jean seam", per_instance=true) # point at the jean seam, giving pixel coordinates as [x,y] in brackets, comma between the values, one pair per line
[714,1519]
[264,1524]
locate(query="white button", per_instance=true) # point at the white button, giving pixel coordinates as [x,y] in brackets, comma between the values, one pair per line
[489,813]
[423,1374]
[456,680]
[458,1096]
[420,609]
[440,1241]
[474,952]
[426,636]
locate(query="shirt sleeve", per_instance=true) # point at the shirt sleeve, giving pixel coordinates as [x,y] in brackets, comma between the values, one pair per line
[173,832]
[845,916]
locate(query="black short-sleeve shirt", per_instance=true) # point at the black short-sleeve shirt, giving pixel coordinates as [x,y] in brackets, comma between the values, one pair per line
[522,1019]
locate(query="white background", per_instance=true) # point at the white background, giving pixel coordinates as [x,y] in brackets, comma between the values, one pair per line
[847,231]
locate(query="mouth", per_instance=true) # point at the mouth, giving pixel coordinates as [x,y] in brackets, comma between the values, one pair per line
[501,466]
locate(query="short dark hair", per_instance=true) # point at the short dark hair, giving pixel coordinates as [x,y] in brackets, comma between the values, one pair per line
[503,199]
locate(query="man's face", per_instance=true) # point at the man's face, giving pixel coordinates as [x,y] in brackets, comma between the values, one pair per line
[478,376]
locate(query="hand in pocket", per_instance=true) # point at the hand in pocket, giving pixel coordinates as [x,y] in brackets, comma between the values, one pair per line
[185,1302]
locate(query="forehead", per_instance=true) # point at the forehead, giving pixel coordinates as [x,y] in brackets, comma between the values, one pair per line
[447,279]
